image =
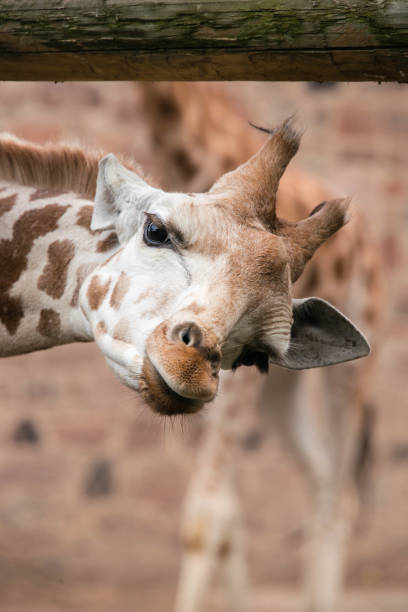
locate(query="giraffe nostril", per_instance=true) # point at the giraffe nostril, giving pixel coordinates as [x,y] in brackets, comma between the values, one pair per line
[185,336]
[188,333]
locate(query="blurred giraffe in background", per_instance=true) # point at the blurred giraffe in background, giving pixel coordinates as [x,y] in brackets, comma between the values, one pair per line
[324,416]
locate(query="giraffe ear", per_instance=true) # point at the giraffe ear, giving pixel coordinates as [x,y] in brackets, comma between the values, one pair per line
[121,197]
[321,335]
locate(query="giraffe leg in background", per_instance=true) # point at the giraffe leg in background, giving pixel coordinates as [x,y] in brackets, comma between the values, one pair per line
[212,541]
[321,430]
[201,542]
[235,570]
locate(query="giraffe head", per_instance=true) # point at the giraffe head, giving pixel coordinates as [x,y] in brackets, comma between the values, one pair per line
[203,281]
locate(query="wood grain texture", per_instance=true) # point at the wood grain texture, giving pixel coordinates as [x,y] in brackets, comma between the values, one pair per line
[343,40]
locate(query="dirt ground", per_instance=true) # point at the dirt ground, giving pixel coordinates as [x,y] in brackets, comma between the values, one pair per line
[92,482]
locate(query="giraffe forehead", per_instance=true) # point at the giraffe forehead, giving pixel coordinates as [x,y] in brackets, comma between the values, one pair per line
[211,226]
[204,226]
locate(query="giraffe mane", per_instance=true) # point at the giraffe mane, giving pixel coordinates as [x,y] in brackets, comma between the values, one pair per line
[63,166]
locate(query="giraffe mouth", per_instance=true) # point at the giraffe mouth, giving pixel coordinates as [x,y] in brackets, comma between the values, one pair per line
[160,396]
[250,357]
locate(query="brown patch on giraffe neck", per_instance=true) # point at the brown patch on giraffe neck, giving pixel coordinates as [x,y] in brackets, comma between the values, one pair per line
[11,312]
[7,203]
[82,272]
[14,255]
[84,217]
[49,324]
[108,243]
[54,276]
[97,291]
[119,291]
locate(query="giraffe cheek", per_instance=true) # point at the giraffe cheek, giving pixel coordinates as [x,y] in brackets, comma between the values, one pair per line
[97,291]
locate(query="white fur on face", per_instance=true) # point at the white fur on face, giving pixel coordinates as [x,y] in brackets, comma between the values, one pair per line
[202,280]
[145,304]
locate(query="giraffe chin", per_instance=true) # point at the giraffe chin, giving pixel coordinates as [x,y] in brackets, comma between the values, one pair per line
[160,397]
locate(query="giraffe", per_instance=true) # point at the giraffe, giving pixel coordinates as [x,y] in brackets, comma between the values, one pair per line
[199,134]
[172,287]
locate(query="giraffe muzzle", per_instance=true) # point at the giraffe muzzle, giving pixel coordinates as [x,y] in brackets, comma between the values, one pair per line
[181,367]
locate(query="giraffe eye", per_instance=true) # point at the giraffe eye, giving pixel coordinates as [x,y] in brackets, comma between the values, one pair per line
[155,235]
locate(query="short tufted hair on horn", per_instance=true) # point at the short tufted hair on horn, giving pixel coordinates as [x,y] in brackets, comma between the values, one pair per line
[254,184]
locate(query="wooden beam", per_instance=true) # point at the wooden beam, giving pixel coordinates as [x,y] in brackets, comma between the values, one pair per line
[320,40]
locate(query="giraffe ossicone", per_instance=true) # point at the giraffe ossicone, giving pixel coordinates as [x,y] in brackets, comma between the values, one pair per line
[190,283]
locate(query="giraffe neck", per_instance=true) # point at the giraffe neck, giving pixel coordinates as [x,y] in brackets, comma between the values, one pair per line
[46,252]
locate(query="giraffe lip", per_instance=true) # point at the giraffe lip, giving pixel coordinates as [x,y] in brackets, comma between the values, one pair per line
[160,396]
